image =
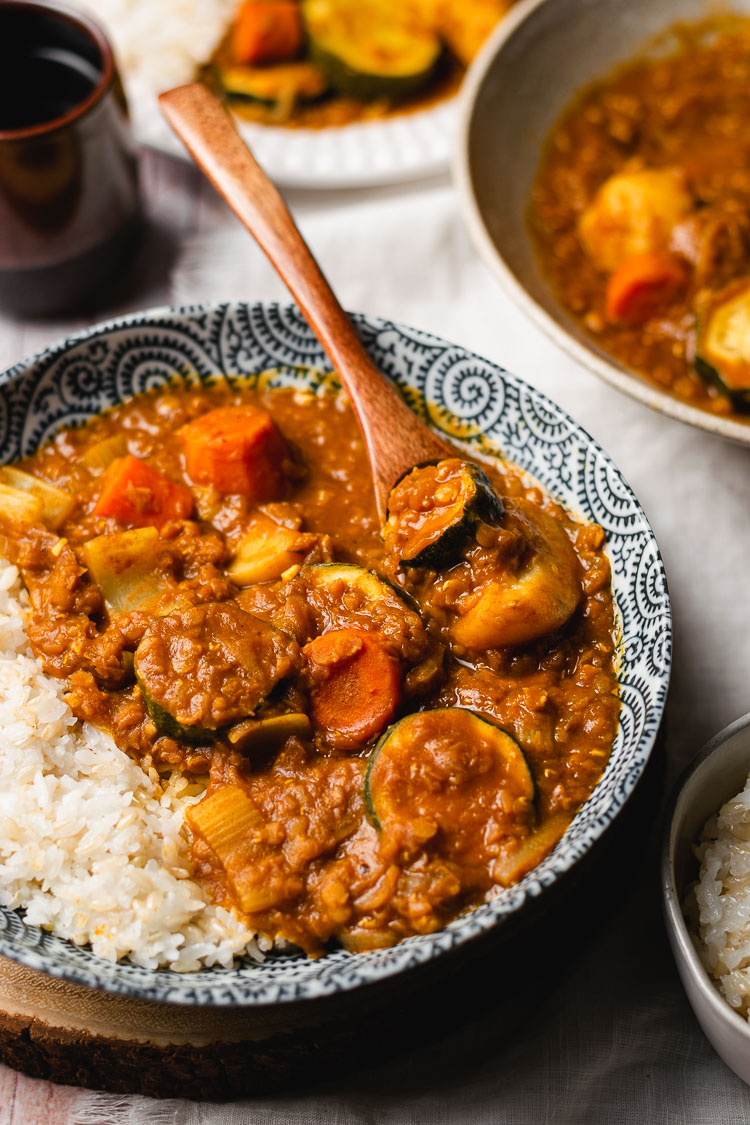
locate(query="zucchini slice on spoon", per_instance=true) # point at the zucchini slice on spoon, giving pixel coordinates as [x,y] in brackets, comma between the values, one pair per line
[433,510]
[722,355]
[370,49]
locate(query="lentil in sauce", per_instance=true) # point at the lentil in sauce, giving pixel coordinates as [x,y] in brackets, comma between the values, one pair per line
[376,759]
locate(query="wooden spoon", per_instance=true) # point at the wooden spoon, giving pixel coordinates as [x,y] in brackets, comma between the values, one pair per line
[396,440]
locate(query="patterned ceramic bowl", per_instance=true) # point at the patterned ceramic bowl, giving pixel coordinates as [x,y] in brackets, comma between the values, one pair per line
[474,402]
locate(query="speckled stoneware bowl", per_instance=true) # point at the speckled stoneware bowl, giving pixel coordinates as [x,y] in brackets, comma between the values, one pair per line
[715,775]
[474,402]
[541,54]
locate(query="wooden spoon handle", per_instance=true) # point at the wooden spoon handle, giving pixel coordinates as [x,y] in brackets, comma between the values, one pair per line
[395,438]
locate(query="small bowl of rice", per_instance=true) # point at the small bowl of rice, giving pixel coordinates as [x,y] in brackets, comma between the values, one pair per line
[706,887]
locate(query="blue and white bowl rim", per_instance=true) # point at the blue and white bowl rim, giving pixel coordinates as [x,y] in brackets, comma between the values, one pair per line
[110,361]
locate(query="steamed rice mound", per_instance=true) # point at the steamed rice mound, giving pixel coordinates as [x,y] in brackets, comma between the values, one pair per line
[161,43]
[722,900]
[92,847]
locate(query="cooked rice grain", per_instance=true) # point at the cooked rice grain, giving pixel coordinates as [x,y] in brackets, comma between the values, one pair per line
[91,846]
[161,43]
[722,899]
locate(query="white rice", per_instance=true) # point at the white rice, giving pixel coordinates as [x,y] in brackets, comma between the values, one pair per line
[160,43]
[722,900]
[91,846]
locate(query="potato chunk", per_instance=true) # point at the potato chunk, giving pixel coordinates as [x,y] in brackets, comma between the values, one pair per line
[517,606]
[633,213]
[267,550]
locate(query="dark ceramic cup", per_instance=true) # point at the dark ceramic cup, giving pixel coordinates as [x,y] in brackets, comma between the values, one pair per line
[69,205]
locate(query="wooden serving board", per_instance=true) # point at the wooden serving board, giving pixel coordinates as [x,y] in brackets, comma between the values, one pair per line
[77,1036]
[74,1035]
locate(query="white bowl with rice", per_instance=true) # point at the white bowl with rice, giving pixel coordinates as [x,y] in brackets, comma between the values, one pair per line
[706,887]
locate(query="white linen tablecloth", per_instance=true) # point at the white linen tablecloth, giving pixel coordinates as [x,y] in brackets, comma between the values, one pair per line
[614,1039]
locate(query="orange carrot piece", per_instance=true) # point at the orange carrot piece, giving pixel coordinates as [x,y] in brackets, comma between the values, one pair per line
[267,31]
[355,684]
[137,495]
[236,449]
[643,285]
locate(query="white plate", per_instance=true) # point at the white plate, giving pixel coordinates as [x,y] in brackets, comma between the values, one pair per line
[408,146]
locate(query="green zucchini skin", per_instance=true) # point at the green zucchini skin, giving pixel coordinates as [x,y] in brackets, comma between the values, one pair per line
[709,374]
[269,85]
[362,87]
[372,815]
[714,359]
[351,58]
[371,584]
[401,727]
[167,725]
[253,655]
[480,504]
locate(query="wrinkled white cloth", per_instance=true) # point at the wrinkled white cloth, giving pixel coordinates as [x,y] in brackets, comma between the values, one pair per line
[615,1040]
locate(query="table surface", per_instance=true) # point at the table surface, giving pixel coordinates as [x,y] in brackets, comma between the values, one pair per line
[612,1036]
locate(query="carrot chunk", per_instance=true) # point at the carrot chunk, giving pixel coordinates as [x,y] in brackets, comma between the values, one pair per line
[355,685]
[137,495]
[267,31]
[236,449]
[643,285]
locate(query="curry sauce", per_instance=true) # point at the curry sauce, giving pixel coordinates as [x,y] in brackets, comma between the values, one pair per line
[641,214]
[373,761]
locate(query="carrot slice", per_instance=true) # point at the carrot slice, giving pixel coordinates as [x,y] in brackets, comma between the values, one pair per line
[643,285]
[236,449]
[355,685]
[267,31]
[137,495]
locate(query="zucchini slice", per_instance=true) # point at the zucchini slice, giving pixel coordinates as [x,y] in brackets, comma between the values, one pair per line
[283,84]
[722,355]
[203,668]
[343,595]
[453,781]
[347,582]
[370,49]
[433,510]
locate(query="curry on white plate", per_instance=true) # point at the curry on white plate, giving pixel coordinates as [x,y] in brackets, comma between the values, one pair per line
[331,93]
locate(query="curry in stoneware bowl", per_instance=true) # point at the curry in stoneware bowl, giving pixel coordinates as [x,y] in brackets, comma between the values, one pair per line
[335,735]
[641,214]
